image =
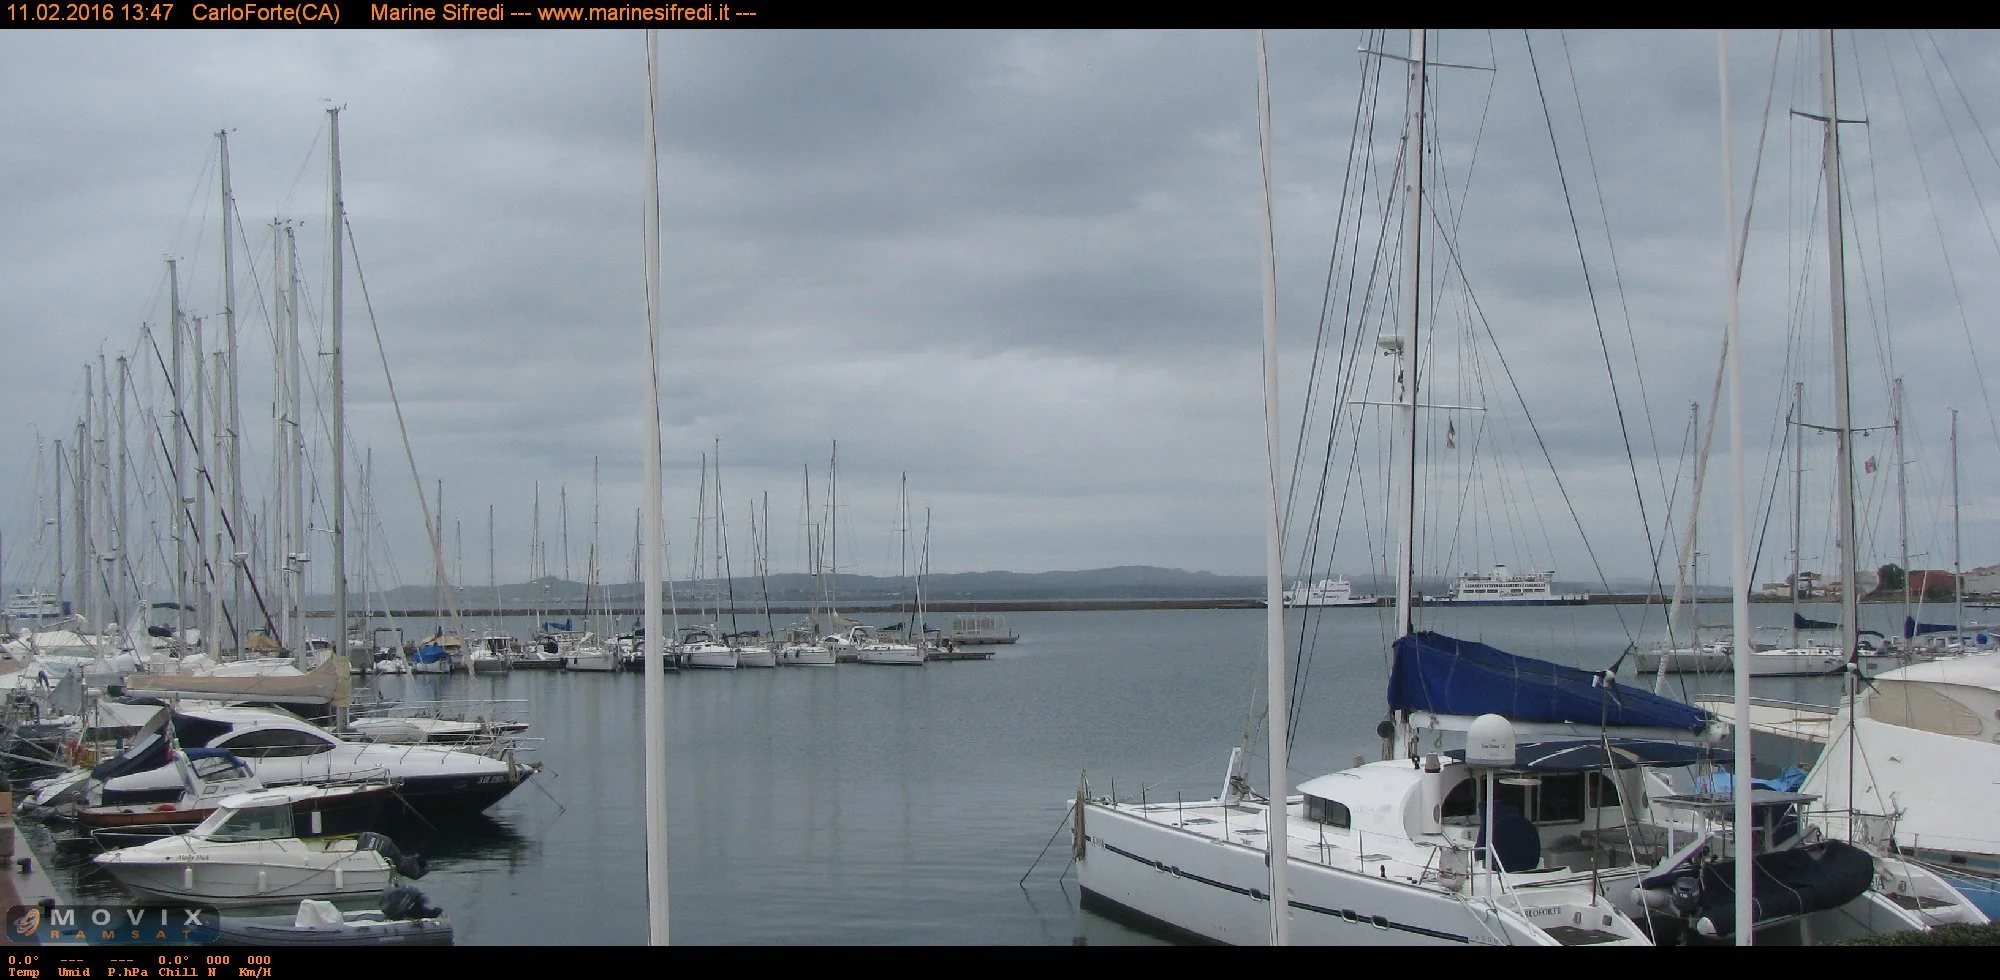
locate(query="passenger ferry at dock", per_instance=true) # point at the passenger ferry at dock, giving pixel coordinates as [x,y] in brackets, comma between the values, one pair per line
[1504,588]
[1326,592]
[36,605]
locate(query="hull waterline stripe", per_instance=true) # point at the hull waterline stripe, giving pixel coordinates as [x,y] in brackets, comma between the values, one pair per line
[1345,915]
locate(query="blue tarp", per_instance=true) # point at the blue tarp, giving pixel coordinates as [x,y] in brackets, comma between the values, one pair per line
[1440,674]
[1719,783]
[1579,755]
[1911,627]
[429,653]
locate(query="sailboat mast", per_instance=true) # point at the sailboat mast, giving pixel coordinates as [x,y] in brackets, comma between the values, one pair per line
[1798,497]
[122,567]
[1277,837]
[295,441]
[1902,498]
[722,545]
[217,612]
[1850,594]
[903,501]
[764,566]
[1957,568]
[1413,202]
[281,457]
[833,536]
[234,403]
[337,213]
[1744,884]
[1682,569]
[62,582]
[923,571]
[85,459]
[177,337]
[80,456]
[437,556]
[656,704]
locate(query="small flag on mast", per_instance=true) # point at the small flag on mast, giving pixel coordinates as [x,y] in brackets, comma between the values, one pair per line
[1868,466]
[1451,438]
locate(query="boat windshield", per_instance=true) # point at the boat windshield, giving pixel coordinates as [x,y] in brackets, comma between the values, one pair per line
[248,824]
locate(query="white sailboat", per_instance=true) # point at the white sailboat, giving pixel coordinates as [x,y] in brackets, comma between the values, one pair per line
[802,646]
[1390,853]
[1559,823]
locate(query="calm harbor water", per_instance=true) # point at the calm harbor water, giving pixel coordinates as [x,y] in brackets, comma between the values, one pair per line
[903,805]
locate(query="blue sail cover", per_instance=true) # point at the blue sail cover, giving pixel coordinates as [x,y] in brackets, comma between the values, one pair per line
[1911,627]
[1437,673]
[429,653]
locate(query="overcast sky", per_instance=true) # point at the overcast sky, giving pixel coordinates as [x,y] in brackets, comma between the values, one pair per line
[1022,268]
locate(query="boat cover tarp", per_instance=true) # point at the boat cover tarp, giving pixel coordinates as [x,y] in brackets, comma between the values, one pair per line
[152,746]
[1801,623]
[1795,881]
[1721,784]
[1580,755]
[327,683]
[429,653]
[1444,675]
[1912,628]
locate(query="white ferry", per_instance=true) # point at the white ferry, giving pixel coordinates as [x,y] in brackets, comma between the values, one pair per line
[36,605]
[1326,592]
[1504,588]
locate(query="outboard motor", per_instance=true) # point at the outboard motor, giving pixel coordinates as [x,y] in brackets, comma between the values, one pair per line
[409,866]
[405,902]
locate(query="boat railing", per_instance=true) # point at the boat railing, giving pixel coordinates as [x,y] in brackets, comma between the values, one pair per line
[467,709]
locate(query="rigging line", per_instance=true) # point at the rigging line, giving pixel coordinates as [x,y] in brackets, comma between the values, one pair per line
[1603,344]
[312,153]
[1350,347]
[1313,373]
[1885,352]
[409,455]
[1959,151]
[235,543]
[1521,397]
[1611,249]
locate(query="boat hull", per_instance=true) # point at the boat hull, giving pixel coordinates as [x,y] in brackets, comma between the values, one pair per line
[360,929]
[806,656]
[899,656]
[1198,887]
[336,816]
[166,871]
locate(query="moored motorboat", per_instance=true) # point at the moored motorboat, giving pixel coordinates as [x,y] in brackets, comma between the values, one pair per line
[248,853]
[432,781]
[118,818]
[403,919]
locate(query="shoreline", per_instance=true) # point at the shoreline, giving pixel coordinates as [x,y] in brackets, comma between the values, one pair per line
[881,607]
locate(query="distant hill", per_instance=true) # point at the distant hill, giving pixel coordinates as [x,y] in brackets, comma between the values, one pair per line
[1120,582]
[1123,582]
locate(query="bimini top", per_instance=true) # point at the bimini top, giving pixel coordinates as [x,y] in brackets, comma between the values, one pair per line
[1439,674]
[1578,755]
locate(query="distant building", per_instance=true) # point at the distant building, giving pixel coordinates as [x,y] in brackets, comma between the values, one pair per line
[1934,583]
[1983,581]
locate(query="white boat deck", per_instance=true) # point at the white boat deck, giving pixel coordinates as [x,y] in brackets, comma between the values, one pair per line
[1785,719]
